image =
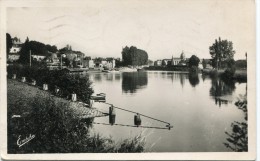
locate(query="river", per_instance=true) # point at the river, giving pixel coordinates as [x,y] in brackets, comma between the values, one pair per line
[201,109]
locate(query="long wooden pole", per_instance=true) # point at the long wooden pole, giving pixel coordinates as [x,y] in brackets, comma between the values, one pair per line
[30,58]
[61,62]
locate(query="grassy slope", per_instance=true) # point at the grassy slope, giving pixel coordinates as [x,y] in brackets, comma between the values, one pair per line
[17,91]
[56,124]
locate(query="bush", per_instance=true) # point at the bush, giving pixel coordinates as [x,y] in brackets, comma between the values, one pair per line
[68,83]
[238,138]
[58,130]
[229,73]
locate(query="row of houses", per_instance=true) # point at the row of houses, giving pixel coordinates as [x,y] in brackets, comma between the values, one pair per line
[174,61]
[74,60]
[181,61]
[67,58]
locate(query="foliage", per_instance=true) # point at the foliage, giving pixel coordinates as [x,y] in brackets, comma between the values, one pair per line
[182,56]
[132,145]
[24,53]
[36,48]
[118,63]
[238,140]
[134,56]
[220,51]
[58,130]
[204,63]
[68,83]
[9,43]
[241,64]
[229,73]
[194,61]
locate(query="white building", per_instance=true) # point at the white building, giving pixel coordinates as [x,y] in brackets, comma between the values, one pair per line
[14,54]
[38,57]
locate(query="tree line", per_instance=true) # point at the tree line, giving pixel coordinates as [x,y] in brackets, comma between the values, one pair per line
[134,56]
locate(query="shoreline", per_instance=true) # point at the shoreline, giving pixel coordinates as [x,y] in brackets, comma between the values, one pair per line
[18,89]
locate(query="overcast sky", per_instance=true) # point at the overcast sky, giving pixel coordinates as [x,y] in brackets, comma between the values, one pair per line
[162,28]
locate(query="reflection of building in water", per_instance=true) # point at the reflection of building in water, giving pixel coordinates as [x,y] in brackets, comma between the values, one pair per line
[175,76]
[98,77]
[182,78]
[134,81]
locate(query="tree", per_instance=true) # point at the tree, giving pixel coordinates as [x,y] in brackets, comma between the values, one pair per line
[220,51]
[204,63]
[9,43]
[194,61]
[134,56]
[24,53]
[182,56]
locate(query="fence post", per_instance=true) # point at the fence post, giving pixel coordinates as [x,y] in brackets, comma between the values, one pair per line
[14,76]
[33,82]
[45,87]
[74,97]
[23,79]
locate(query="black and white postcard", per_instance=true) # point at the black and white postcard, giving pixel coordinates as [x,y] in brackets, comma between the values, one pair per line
[128,80]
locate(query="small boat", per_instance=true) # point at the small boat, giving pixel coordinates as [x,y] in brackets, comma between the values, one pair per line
[99,97]
[105,71]
[101,94]
[140,69]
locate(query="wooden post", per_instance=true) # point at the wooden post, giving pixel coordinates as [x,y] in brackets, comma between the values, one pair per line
[57,90]
[23,79]
[45,87]
[74,97]
[33,82]
[112,115]
[14,76]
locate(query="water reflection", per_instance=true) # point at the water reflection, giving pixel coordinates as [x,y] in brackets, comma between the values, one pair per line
[98,77]
[194,79]
[175,100]
[221,90]
[173,76]
[183,77]
[133,81]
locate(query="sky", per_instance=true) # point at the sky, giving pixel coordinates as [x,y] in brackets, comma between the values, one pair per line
[162,28]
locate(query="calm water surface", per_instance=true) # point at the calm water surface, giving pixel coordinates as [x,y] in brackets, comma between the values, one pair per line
[200,109]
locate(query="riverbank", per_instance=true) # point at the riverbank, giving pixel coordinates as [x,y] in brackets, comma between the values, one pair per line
[172,68]
[17,90]
[239,75]
[38,122]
